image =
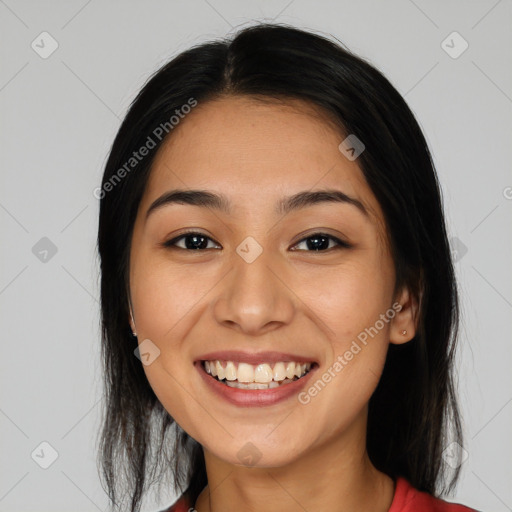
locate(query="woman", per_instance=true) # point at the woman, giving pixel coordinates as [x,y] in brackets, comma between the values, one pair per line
[274,252]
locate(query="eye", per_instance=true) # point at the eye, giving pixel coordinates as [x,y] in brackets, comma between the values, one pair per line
[192,241]
[317,242]
[320,242]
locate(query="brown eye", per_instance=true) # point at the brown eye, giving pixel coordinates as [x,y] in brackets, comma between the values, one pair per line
[191,241]
[320,242]
[317,242]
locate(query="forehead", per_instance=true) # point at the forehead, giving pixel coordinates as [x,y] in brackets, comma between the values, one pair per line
[255,152]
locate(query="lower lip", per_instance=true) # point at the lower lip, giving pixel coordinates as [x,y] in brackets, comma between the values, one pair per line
[253,397]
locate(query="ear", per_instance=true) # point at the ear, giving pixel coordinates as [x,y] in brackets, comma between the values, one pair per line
[404,324]
[130,308]
[132,322]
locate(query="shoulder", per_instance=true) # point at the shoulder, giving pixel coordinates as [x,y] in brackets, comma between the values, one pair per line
[409,499]
[181,505]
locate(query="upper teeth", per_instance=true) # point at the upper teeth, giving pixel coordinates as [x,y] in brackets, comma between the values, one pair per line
[264,373]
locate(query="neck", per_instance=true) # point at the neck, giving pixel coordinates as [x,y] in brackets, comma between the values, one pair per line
[336,476]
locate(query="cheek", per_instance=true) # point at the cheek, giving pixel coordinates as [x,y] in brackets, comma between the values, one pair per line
[168,300]
[164,300]
[353,303]
[165,295]
[348,298]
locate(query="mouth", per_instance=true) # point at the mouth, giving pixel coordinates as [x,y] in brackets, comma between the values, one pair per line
[261,376]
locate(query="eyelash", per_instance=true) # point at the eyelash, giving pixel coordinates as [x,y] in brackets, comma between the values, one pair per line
[171,244]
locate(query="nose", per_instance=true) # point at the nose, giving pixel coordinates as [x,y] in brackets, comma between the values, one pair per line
[254,298]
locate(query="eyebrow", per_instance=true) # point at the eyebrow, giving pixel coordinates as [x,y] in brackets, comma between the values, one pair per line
[207,199]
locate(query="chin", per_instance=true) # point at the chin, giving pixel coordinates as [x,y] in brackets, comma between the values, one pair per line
[257,451]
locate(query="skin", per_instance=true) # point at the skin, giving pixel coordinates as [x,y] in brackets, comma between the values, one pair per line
[305,302]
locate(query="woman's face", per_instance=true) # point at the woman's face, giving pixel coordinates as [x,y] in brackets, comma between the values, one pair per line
[255,292]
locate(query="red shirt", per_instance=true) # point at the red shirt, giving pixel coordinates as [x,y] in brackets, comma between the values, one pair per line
[406,499]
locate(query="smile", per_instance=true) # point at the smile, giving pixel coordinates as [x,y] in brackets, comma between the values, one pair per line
[256,376]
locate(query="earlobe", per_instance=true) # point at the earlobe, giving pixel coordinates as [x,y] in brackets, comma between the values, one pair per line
[404,324]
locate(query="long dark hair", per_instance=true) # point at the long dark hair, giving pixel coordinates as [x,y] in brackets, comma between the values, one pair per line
[413,413]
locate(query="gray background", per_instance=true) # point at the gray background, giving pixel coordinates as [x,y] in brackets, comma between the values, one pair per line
[59,116]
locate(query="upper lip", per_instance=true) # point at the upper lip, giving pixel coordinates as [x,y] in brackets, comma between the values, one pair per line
[254,357]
